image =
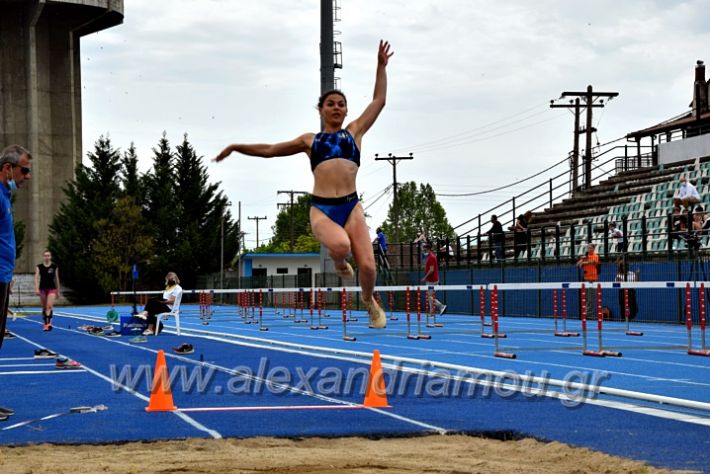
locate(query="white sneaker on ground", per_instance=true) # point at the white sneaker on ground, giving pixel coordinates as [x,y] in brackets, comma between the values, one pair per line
[148,332]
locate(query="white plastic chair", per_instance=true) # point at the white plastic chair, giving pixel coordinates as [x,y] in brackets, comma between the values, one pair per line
[174,312]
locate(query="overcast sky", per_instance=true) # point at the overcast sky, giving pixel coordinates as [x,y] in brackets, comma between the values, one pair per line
[469,86]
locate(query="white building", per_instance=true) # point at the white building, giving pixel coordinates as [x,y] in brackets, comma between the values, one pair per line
[298,269]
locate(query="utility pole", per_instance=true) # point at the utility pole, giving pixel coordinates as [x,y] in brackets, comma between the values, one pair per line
[289,205]
[393,161]
[257,219]
[590,97]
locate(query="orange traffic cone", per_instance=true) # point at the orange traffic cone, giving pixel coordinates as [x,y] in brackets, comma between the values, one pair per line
[161,397]
[376,395]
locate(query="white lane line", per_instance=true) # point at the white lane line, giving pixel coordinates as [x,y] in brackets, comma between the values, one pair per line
[194,423]
[274,345]
[286,387]
[35,372]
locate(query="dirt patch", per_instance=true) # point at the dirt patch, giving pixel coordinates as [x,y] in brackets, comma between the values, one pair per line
[428,454]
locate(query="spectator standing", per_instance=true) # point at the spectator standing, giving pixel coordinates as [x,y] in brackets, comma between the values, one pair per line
[421,240]
[431,277]
[589,263]
[617,236]
[496,235]
[381,241]
[520,234]
[15,168]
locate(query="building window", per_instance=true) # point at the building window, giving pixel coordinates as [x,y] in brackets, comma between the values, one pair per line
[282,271]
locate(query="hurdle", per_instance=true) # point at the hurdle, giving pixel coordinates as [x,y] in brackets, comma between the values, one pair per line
[350,308]
[261,310]
[343,305]
[494,322]
[311,303]
[563,298]
[420,335]
[627,312]
[494,318]
[390,301]
[585,351]
[431,310]
[703,351]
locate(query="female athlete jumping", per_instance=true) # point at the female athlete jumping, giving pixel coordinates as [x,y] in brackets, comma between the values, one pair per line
[337,217]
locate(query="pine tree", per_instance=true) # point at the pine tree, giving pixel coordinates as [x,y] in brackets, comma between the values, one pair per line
[130,179]
[162,213]
[90,196]
[203,211]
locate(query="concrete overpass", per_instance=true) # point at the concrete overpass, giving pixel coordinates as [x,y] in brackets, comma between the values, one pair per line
[40,99]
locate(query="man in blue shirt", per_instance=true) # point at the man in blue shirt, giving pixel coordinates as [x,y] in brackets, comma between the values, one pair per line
[381,240]
[15,168]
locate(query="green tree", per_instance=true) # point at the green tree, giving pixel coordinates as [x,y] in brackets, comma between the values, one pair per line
[162,214]
[204,219]
[89,197]
[418,209]
[130,178]
[118,244]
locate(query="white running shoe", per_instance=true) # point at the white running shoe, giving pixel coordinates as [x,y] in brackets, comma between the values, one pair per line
[378,320]
[346,273]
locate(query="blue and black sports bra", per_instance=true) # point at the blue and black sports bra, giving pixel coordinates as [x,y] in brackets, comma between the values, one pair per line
[327,146]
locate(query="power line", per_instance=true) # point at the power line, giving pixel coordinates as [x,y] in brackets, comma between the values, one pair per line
[516,118]
[500,188]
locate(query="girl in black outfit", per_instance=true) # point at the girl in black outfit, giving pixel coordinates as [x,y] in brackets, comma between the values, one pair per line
[47,287]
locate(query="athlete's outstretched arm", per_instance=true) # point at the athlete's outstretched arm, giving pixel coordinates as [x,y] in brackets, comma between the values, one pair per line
[363,123]
[292,147]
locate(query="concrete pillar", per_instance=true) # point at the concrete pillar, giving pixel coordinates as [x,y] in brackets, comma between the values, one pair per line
[40,100]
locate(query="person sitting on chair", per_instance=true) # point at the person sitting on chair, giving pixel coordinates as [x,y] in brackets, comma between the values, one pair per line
[157,305]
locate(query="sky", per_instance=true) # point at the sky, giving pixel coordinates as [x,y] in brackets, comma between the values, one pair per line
[469,87]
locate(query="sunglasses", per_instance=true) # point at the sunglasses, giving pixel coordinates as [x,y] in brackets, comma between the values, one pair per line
[25,171]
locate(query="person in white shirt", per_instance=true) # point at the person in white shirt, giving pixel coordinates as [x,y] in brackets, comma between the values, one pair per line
[156,306]
[686,195]
[618,236]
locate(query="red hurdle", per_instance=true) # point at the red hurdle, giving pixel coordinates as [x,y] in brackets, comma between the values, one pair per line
[261,311]
[496,334]
[703,351]
[627,313]
[555,312]
[494,300]
[344,307]
[583,302]
[390,300]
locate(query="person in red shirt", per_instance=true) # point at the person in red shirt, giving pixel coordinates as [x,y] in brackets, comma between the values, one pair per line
[431,277]
[590,266]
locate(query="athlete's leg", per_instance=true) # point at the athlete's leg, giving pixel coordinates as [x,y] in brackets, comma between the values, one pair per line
[357,230]
[43,301]
[51,296]
[331,235]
